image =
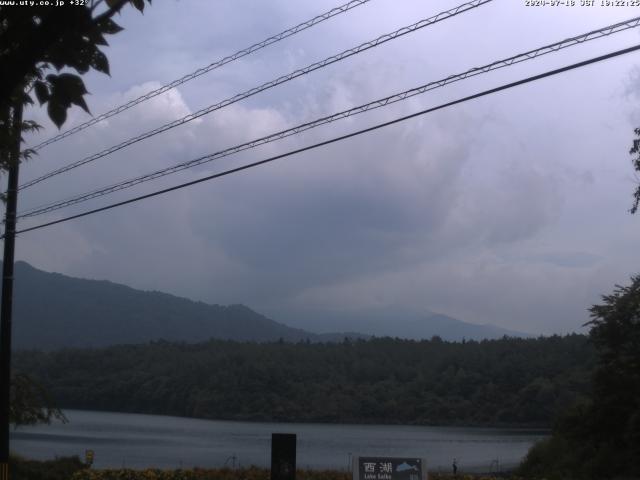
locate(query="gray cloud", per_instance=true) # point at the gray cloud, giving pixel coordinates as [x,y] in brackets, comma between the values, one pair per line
[509,210]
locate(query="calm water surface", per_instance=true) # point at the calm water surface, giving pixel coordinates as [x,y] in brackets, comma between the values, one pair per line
[137,441]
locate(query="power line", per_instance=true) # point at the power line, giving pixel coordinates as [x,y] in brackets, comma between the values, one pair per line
[201,71]
[340,138]
[529,55]
[265,86]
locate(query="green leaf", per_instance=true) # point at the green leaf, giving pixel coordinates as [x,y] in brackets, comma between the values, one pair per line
[58,63]
[26,99]
[109,27]
[100,62]
[96,37]
[51,78]
[74,89]
[81,103]
[80,56]
[27,153]
[57,112]
[139,4]
[42,91]
[31,126]
[66,89]
[72,85]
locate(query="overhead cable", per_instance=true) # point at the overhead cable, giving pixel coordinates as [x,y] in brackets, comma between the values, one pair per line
[521,57]
[340,138]
[201,71]
[265,86]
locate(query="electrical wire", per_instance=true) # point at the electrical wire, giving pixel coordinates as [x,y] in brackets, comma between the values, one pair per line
[340,138]
[201,71]
[268,85]
[521,57]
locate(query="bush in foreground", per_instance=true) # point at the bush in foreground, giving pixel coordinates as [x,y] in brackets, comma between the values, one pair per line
[58,469]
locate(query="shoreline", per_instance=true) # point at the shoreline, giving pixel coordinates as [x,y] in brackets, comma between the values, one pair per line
[141,441]
[524,428]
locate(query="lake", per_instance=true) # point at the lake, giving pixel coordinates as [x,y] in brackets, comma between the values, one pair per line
[137,441]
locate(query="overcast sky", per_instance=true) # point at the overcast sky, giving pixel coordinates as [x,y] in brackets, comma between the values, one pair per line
[511,209]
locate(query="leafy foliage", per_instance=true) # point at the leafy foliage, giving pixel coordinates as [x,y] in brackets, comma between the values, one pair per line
[31,403]
[601,437]
[635,150]
[60,92]
[615,413]
[39,38]
[72,469]
[499,382]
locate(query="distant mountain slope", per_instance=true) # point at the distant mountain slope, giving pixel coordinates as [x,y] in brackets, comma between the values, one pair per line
[53,311]
[394,321]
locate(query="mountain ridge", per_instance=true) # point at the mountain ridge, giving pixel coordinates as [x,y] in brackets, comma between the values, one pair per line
[394,321]
[123,315]
[53,311]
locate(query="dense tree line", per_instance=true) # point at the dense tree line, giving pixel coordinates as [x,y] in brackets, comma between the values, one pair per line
[499,382]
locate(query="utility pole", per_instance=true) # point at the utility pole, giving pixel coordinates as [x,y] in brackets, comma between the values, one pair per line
[6,306]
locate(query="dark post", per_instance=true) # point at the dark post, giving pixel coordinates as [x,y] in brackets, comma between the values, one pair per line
[7,289]
[283,456]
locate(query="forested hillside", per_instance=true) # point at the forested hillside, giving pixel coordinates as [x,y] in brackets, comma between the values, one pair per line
[497,382]
[56,311]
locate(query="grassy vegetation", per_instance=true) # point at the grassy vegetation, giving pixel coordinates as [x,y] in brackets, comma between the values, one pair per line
[71,468]
[240,474]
